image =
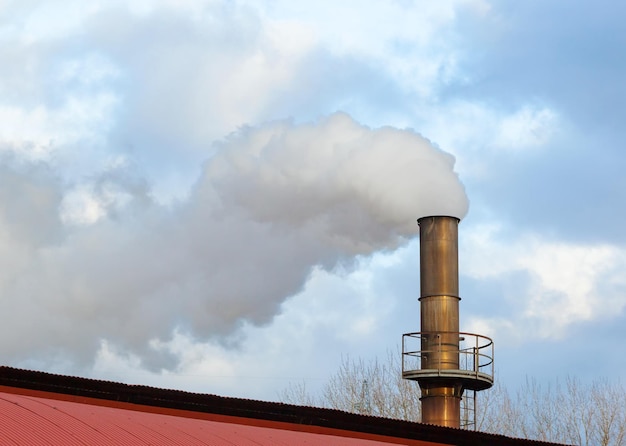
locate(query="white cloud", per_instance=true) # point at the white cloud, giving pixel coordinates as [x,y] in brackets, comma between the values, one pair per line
[527,128]
[337,314]
[467,128]
[272,204]
[478,134]
[411,42]
[81,207]
[40,132]
[567,282]
[155,82]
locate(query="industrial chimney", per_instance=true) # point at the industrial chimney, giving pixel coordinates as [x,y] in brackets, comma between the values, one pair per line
[447,364]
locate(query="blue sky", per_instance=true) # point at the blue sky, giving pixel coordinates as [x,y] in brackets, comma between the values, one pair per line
[221,196]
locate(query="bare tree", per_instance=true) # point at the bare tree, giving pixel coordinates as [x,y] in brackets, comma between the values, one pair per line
[496,411]
[608,420]
[570,413]
[297,393]
[372,388]
[574,413]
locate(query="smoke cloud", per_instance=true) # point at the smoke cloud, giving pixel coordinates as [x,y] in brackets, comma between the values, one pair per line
[271,203]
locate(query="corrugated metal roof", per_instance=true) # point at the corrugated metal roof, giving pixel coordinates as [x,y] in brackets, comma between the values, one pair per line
[26,420]
[44,408]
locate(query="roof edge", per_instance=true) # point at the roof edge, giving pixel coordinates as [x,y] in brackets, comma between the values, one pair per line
[139,397]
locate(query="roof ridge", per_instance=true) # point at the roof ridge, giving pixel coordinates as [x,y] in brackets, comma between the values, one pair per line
[142,395]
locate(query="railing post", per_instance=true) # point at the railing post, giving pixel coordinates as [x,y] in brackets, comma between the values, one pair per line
[476,359]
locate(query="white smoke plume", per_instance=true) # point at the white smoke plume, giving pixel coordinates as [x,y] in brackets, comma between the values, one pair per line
[271,203]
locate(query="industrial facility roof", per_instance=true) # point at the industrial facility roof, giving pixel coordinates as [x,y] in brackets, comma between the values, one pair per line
[42,408]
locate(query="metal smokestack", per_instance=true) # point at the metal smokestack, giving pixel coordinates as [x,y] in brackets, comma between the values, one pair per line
[439,315]
[446,362]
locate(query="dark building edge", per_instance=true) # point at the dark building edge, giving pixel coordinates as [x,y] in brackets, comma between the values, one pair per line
[244,408]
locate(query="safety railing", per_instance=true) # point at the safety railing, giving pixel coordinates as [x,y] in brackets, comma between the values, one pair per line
[430,354]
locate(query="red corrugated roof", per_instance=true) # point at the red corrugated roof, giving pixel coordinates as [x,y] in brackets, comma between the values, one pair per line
[43,408]
[28,419]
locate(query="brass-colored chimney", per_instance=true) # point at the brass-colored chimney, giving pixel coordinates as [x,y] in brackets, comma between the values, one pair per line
[447,362]
[439,317]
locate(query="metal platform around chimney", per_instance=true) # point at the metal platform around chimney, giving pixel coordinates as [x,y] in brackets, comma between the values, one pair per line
[468,361]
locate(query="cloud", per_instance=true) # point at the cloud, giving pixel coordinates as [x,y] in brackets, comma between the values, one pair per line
[479,134]
[563,284]
[272,203]
[361,312]
[521,54]
[158,80]
[109,109]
